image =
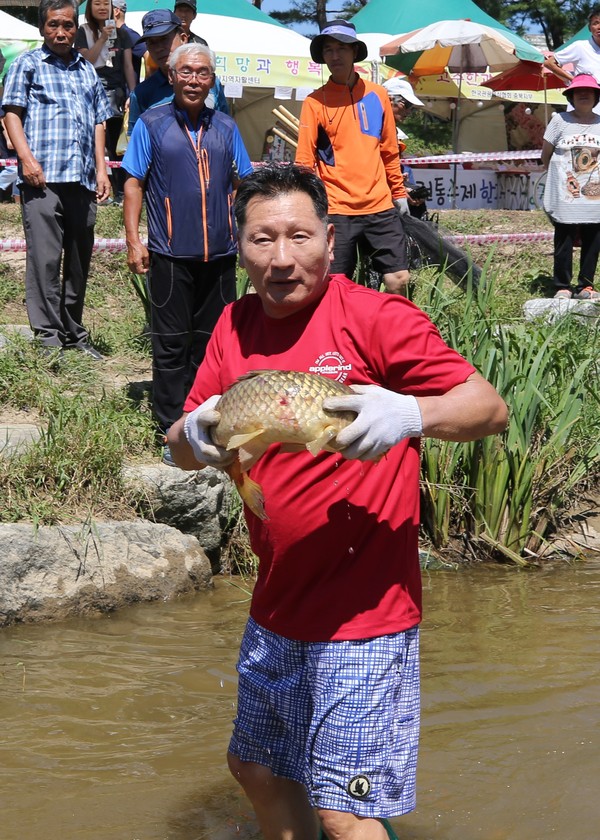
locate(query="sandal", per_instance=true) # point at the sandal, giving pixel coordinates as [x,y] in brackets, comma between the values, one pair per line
[567,294]
[589,293]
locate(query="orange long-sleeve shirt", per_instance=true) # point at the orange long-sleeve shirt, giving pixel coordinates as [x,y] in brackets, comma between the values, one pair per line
[348,136]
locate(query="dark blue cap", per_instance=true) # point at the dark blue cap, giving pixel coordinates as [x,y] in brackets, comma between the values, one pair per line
[159,22]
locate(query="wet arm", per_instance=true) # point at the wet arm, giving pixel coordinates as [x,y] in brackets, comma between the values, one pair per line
[469,411]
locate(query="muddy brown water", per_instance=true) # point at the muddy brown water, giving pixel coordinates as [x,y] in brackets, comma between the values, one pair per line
[116,728]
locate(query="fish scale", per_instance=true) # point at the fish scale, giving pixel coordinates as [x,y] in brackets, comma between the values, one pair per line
[286,405]
[276,406]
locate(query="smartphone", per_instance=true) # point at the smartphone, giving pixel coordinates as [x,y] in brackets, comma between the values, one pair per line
[112,26]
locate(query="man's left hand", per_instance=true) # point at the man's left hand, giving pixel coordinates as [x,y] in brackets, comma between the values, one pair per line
[384,419]
[102,187]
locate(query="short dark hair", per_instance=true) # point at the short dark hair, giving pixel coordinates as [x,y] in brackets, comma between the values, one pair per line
[55,5]
[594,12]
[276,179]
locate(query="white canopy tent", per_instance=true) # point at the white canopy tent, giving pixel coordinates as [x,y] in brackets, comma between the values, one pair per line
[13,29]
[16,36]
[259,63]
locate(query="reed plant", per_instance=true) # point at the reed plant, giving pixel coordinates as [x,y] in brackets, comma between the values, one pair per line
[507,492]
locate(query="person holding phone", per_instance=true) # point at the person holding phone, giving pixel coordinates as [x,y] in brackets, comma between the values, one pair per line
[108,48]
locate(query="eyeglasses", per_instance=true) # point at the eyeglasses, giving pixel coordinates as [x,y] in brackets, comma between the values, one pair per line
[186,75]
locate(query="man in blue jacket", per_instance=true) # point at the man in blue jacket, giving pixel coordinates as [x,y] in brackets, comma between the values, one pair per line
[186,159]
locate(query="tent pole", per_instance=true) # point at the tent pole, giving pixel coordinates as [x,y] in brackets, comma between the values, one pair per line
[456,130]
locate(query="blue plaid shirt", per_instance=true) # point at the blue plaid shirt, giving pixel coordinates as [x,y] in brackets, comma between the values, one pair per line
[63,104]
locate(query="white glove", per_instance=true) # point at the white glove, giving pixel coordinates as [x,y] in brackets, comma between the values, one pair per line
[384,419]
[401,205]
[197,431]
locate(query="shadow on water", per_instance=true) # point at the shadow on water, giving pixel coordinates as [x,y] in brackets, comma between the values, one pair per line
[117,728]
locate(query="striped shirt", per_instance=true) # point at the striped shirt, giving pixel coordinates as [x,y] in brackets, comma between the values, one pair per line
[573,182]
[63,104]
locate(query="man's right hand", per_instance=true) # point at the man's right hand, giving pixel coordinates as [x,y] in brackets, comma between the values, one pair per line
[138,258]
[33,174]
[197,431]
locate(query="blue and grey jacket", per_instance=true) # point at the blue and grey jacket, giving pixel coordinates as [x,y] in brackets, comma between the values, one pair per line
[189,179]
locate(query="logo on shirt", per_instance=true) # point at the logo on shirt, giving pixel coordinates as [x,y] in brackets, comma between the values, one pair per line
[333,365]
[359,787]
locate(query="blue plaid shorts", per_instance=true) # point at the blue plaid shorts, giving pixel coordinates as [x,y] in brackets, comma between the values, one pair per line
[342,718]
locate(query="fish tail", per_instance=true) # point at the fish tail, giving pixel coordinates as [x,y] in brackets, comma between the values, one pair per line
[249,490]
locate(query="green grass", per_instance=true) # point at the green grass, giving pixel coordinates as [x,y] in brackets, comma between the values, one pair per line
[74,470]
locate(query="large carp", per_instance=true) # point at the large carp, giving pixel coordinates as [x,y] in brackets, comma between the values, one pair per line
[276,406]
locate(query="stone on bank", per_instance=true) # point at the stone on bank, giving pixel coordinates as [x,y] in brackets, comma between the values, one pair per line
[56,572]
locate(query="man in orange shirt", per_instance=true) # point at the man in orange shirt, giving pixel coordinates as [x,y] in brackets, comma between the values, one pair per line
[348,135]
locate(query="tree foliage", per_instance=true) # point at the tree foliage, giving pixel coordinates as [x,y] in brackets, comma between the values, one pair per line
[558,19]
[316,11]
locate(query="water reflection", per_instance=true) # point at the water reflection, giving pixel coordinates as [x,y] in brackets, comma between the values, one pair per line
[117,728]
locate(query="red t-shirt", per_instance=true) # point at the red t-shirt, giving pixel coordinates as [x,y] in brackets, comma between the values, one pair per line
[338,554]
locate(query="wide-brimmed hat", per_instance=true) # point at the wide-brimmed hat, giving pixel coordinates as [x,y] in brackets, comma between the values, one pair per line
[400,87]
[342,31]
[583,80]
[159,22]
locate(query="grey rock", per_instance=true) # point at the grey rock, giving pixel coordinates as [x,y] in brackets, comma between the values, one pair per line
[16,437]
[552,308]
[54,572]
[195,503]
[9,330]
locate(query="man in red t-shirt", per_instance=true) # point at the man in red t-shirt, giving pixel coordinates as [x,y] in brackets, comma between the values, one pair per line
[328,706]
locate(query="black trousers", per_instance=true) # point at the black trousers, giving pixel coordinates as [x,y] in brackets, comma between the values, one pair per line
[186,298]
[58,221]
[564,241]
[116,175]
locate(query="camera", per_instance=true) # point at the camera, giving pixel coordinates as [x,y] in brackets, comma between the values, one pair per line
[419,193]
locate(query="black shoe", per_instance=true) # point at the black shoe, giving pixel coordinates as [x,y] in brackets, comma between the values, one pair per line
[51,352]
[90,351]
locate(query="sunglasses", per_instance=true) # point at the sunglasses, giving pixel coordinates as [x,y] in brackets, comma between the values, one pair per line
[400,100]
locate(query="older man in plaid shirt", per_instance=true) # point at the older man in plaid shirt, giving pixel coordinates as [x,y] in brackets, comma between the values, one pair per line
[55,111]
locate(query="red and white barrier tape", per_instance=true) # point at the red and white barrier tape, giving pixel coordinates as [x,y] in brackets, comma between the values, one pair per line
[490,238]
[473,157]
[112,164]
[463,157]
[116,245]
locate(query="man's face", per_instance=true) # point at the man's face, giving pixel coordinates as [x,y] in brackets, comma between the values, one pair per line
[286,250]
[59,31]
[400,108]
[160,48]
[186,15]
[339,59]
[192,80]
